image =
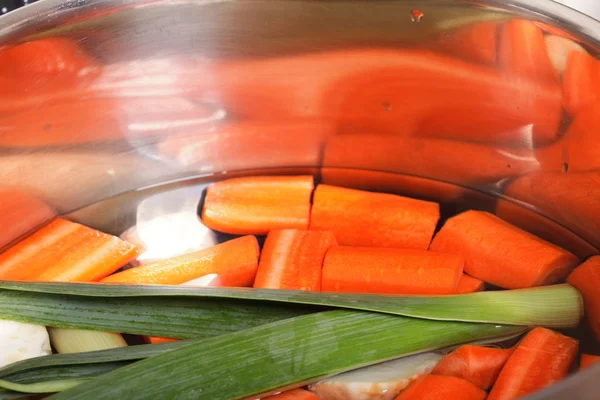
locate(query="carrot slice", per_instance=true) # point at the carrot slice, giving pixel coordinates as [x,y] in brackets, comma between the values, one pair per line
[523,51]
[293,259]
[439,387]
[540,359]
[468,284]
[258,204]
[360,218]
[234,261]
[296,394]
[581,82]
[159,339]
[559,48]
[386,270]
[587,360]
[429,157]
[65,251]
[510,257]
[475,42]
[553,30]
[478,365]
[586,278]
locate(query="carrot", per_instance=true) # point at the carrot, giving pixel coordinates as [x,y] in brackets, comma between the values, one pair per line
[235,262]
[292,259]
[474,42]
[543,227]
[158,339]
[258,204]
[523,51]
[478,365]
[553,30]
[394,271]
[509,258]
[392,91]
[571,199]
[65,251]
[361,218]
[438,387]
[429,158]
[296,394]
[468,284]
[586,278]
[587,360]
[540,359]
[581,82]
[559,48]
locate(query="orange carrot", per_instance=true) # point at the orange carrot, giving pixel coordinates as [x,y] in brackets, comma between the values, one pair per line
[296,394]
[586,278]
[474,42]
[540,359]
[553,30]
[523,51]
[439,387]
[429,157]
[587,360]
[65,251]
[581,82]
[258,204]
[509,258]
[393,271]
[159,339]
[361,218]
[468,284]
[293,259]
[569,198]
[478,365]
[235,262]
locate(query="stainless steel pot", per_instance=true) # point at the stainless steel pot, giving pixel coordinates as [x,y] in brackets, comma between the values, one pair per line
[114,96]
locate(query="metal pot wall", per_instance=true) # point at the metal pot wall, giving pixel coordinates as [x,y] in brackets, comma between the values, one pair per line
[437,99]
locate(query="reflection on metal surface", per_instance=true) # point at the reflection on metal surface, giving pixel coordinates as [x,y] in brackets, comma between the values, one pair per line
[462,107]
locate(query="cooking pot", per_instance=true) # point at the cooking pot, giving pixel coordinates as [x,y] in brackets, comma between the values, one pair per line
[112,101]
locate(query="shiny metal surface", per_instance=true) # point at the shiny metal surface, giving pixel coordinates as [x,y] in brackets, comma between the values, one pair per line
[101,98]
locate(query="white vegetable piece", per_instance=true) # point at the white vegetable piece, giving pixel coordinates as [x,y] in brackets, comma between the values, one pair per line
[377,382]
[559,49]
[20,341]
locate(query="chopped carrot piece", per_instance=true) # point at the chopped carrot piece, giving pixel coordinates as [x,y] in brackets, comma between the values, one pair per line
[296,394]
[581,82]
[258,204]
[65,251]
[586,279]
[468,284]
[474,42]
[540,359]
[360,218]
[502,254]
[235,262]
[559,48]
[439,387]
[523,51]
[158,339]
[587,360]
[478,365]
[390,271]
[293,259]
[429,157]
[571,199]
[553,30]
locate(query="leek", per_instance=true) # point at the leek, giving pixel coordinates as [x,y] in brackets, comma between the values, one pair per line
[557,306]
[287,353]
[79,340]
